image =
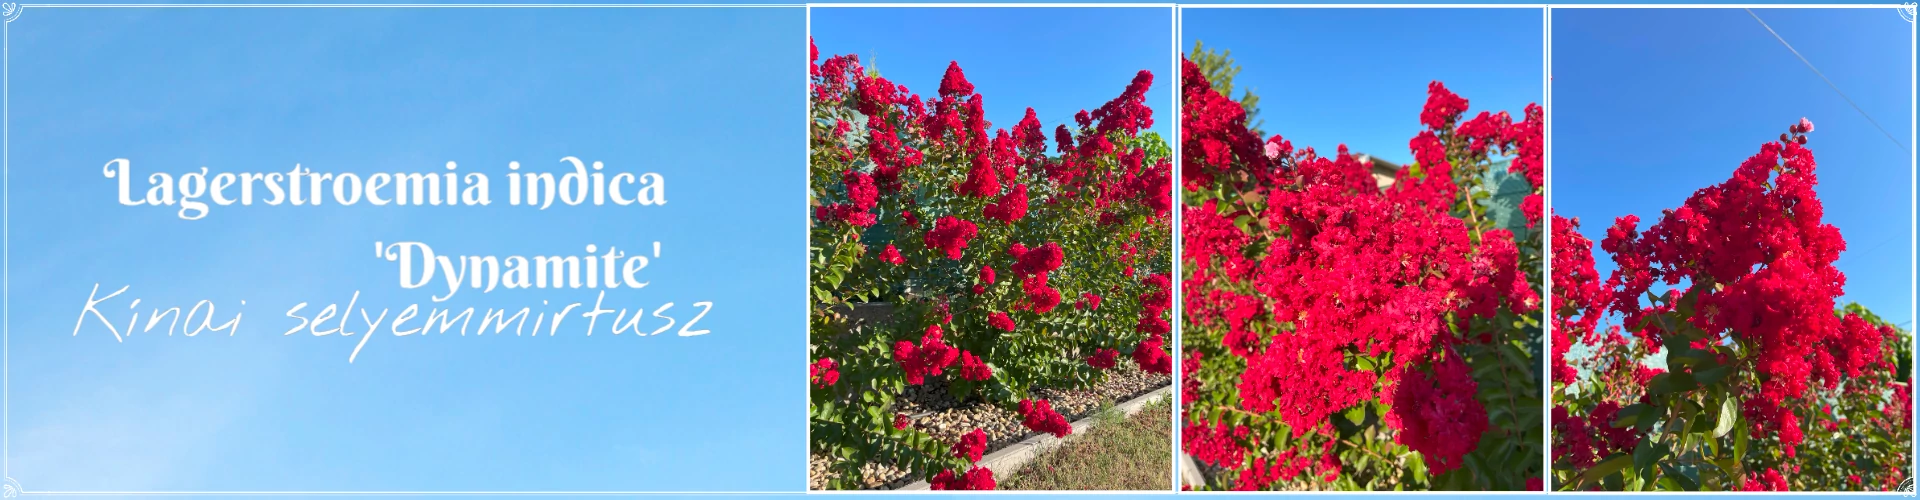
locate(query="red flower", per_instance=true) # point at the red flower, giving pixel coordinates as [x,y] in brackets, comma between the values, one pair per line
[951,235]
[1039,259]
[1767,480]
[1001,320]
[954,84]
[977,478]
[1437,414]
[1010,207]
[900,421]
[1151,356]
[981,181]
[824,372]
[973,368]
[1088,301]
[891,255]
[971,446]
[931,357]
[1443,107]
[1038,414]
[1040,297]
[1103,358]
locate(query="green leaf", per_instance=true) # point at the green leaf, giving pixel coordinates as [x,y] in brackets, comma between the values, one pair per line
[1357,415]
[1728,410]
[1673,382]
[1688,476]
[1645,455]
[1713,375]
[1739,447]
[1603,469]
[1629,415]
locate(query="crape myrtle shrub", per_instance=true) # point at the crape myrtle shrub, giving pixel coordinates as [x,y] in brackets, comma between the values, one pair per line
[1011,260]
[1763,385]
[1342,336]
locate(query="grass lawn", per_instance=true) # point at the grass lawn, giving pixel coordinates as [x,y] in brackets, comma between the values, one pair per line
[1121,453]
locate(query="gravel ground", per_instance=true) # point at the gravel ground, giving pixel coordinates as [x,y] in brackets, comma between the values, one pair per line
[939,415]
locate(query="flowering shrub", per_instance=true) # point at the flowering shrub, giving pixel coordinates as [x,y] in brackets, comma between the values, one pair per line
[1343,336]
[974,241]
[1763,385]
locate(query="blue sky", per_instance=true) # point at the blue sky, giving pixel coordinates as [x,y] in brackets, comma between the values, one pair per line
[1650,105]
[1359,76]
[1056,60]
[712,99]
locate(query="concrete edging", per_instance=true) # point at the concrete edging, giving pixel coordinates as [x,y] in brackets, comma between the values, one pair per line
[1010,459]
[1190,473]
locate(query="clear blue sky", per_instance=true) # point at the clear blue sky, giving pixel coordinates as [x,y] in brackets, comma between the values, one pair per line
[1056,60]
[1359,76]
[1650,105]
[710,98]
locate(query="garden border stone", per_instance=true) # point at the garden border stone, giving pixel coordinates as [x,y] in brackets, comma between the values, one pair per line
[1018,454]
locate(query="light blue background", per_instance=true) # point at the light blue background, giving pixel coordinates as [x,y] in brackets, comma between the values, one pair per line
[710,98]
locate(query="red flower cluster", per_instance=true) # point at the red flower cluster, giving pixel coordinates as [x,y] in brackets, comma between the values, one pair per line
[1001,320]
[1443,107]
[1437,414]
[1755,251]
[1103,358]
[971,446]
[1216,444]
[973,368]
[950,234]
[1151,355]
[1038,414]
[931,357]
[1089,301]
[977,478]
[1767,480]
[824,372]
[1576,288]
[891,255]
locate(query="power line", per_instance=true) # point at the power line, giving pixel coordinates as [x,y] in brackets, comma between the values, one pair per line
[1823,77]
